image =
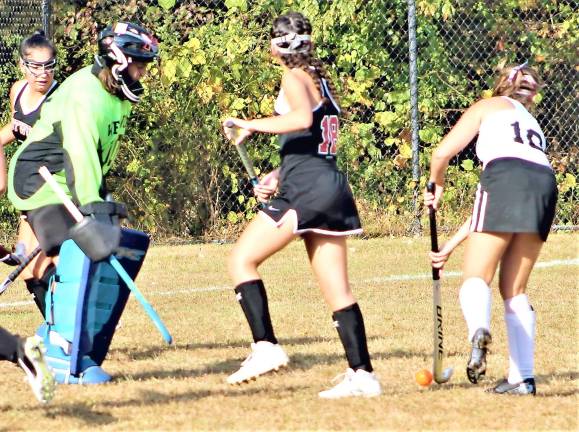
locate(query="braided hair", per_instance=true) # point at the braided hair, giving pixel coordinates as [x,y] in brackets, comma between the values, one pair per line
[302,57]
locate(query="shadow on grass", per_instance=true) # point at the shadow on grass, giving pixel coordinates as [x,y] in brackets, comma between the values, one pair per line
[154,352]
[298,361]
[97,414]
[570,376]
[542,382]
[88,414]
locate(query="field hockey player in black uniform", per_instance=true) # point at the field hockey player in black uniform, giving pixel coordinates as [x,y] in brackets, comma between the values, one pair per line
[513,212]
[308,197]
[37,63]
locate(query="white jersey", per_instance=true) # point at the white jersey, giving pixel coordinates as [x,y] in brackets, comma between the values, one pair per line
[511,134]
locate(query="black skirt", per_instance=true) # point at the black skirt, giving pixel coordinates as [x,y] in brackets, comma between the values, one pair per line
[316,195]
[515,196]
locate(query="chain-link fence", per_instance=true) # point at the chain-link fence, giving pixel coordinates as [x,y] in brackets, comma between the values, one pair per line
[181,178]
[19,18]
[476,39]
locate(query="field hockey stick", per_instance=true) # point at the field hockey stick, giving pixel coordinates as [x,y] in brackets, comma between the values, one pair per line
[439,376]
[232,132]
[16,272]
[78,217]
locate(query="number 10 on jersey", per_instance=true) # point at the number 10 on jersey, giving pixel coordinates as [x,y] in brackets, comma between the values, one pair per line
[330,125]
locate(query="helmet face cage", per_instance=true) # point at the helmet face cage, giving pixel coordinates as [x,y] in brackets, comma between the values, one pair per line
[133,42]
[123,44]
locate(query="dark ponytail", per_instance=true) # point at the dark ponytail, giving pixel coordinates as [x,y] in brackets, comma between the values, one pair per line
[37,39]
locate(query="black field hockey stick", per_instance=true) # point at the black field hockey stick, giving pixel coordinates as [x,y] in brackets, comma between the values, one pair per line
[438,355]
[16,272]
[78,217]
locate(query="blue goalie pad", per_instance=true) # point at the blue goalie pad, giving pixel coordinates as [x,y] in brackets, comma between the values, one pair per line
[85,306]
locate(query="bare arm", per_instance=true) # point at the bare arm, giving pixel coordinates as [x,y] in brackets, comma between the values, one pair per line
[439,258]
[300,116]
[6,135]
[456,140]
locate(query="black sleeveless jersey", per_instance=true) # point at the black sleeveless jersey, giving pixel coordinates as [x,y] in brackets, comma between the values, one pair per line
[321,138]
[313,192]
[21,122]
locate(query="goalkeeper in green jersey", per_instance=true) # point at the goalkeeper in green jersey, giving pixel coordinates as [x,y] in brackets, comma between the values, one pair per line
[77,138]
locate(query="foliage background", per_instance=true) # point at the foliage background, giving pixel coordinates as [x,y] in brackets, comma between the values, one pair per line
[181,178]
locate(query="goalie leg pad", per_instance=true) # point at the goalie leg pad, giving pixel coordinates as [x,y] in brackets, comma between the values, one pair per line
[84,308]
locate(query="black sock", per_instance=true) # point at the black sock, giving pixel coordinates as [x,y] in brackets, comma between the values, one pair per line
[253,300]
[9,345]
[38,288]
[350,326]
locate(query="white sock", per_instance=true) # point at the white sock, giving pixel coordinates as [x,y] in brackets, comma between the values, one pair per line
[475,301]
[520,320]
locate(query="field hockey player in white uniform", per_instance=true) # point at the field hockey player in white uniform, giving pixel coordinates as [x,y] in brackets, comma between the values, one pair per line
[513,212]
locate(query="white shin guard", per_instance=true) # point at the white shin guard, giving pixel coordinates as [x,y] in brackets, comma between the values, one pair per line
[520,320]
[475,301]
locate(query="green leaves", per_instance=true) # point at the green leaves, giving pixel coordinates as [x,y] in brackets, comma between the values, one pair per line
[180,176]
[236,4]
[166,4]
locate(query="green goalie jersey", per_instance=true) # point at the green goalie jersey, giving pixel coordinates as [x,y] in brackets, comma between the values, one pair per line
[76,138]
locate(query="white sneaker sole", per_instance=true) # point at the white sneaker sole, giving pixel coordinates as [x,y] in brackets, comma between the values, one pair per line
[365,395]
[248,379]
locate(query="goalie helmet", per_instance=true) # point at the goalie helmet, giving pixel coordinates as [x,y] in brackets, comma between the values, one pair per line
[122,44]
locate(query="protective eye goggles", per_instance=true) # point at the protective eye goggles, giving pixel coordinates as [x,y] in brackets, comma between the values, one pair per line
[40,68]
[295,43]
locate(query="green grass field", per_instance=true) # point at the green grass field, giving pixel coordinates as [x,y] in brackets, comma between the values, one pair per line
[182,387]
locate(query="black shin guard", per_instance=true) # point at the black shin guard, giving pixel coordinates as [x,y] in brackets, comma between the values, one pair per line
[39,287]
[9,346]
[253,300]
[350,326]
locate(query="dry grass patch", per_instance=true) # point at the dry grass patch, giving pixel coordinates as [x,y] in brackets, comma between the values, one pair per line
[182,387]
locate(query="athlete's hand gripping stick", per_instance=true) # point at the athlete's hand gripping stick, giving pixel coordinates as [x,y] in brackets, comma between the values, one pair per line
[16,272]
[235,134]
[439,376]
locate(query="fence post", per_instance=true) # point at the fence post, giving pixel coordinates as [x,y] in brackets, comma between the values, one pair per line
[415,227]
[46,18]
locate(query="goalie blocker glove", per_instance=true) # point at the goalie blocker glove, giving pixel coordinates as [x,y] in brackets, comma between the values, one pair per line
[99,233]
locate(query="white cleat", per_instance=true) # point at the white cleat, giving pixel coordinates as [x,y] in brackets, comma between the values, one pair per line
[355,383]
[265,357]
[40,378]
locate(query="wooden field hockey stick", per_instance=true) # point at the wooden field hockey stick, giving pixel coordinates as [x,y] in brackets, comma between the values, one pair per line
[438,355]
[232,132]
[16,272]
[78,217]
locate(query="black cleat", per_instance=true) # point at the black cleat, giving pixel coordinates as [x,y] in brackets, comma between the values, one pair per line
[526,387]
[477,364]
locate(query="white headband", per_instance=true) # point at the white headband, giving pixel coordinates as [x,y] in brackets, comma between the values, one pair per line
[295,41]
[515,71]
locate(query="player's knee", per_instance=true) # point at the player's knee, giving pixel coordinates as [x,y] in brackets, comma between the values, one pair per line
[240,263]
[510,289]
[237,262]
